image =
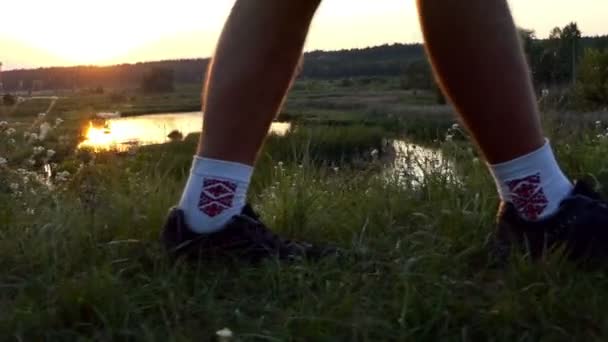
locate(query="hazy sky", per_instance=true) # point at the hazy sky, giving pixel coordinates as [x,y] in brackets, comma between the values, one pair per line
[65,32]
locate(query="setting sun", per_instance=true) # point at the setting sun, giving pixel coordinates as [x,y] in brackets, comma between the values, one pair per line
[68,32]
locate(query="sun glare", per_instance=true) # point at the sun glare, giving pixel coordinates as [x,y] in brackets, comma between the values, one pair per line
[117,31]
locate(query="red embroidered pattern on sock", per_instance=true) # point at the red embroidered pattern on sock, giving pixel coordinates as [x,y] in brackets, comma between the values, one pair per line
[528,196]
[217,196]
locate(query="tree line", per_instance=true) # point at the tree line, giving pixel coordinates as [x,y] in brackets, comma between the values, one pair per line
[565,59]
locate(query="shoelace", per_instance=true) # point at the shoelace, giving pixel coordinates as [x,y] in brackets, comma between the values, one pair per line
[261,235]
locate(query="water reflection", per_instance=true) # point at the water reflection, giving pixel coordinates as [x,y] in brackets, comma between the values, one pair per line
[412,164]
[122,134]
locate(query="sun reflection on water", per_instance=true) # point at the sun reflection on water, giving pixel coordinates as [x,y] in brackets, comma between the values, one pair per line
[122,134]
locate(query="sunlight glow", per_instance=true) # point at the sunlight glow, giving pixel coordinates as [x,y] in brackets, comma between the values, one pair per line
[114,31]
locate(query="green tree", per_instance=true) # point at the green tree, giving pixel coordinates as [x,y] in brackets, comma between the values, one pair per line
[565,48]
[158,80]
[528,39]
[418,75]
[538,59]
[593,78]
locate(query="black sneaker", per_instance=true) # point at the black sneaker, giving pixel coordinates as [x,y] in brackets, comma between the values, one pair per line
[243,237]
[580,228]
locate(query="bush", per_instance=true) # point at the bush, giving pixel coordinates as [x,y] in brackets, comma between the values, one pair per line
[9,100]
[592,85]
[118,98]
[158,80]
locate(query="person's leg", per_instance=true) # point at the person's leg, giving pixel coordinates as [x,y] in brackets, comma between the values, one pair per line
[253,66]
[477,57]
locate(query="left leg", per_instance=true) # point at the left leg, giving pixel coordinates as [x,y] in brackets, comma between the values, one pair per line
[477,56]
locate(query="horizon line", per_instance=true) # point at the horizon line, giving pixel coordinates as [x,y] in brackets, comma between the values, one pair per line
[109,65]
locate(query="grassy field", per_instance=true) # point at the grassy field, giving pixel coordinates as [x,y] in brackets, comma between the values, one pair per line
[80,257]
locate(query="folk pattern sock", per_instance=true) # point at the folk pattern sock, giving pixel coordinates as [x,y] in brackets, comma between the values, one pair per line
[216,190]
[533,183]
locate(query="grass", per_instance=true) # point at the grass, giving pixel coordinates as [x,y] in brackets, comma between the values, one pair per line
[82,261]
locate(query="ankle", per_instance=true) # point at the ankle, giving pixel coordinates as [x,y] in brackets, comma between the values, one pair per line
[215,192]
[533,183]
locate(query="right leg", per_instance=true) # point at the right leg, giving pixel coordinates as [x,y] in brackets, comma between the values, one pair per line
[248,78]
[256,56]
[253,66]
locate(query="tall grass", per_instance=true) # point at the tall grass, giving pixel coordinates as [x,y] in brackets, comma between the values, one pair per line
[81,260]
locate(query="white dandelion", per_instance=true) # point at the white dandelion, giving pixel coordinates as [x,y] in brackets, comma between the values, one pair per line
[45,128]
[224,334]
[62,176]
[38,149]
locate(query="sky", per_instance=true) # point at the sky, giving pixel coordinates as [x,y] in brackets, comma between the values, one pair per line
[38,33]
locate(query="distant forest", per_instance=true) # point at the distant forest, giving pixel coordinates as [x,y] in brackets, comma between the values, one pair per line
[385,60]
[373,61]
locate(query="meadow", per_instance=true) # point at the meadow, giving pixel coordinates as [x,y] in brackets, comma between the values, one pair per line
[81,260]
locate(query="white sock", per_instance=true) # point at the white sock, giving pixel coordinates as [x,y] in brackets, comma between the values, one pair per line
[216,191]
[533,183]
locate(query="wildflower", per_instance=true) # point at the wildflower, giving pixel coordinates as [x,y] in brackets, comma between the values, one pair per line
[33,137]
[455,126]
[280,164]
[336,169]
[14,186]
[3,161]
[475,160]
[598,122]
[3,124]
[41,115]
[449,137]
[30,211]
[10,131]
[58,121]
[11,141]
[374,153]
[38,150]
[50,153]
[31,162]
[45,128]
[224,334]
[62,176]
